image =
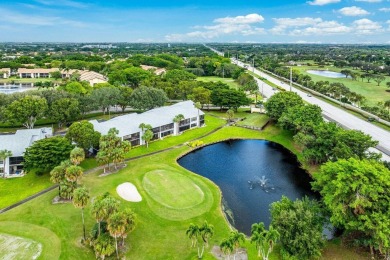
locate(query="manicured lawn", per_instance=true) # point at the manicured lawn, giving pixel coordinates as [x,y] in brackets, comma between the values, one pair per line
[13,190]
[229,81]
[371,91]
[254,119]
[28,238]
[159,234]
[212,123]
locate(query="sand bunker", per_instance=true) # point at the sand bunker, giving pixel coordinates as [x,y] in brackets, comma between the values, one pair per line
[129,192]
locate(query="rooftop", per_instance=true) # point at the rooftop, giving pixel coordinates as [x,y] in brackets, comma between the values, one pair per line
[128,124]
[18,142]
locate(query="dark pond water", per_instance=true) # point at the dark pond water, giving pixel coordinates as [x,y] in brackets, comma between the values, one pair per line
[251,174]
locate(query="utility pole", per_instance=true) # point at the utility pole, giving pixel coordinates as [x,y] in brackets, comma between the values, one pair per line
[262,90]
[253,65]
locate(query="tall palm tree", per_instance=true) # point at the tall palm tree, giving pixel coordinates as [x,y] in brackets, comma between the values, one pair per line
[73,173]
[227,247]
[98,213]
[77,155]
[237,238]
[116,226]
[193,233]
[80,200]
[130,223]
[272,237]
[177,120]
[4,154]
[206,232]
[103,246]
[57,175]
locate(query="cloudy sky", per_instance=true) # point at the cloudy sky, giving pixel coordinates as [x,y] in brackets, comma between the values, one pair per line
[263,21]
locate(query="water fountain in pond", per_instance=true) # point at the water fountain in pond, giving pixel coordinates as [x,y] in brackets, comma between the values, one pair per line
[262,183]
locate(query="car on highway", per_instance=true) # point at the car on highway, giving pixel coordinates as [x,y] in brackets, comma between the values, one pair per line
[309,95]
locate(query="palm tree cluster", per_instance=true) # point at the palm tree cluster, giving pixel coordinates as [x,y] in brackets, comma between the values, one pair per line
[112,149]
[68,173]
[232,243]
[200,236]
[112,224]
[264,239]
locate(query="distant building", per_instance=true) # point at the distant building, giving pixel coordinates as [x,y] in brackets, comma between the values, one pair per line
[85,75]
[35,73]
[155,70]
[17,144]
[161,120]
[5,73]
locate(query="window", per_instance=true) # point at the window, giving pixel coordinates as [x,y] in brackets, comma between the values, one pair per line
[1,170]
[184,122]
[167,127]
[16,160]
[193,119]
[193,125]
[166,133]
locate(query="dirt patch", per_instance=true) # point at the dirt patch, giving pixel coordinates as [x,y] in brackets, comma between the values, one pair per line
[12,247]
[240,255]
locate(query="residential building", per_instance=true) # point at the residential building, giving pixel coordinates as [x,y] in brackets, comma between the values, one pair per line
[155,70]
[85,75]
[161,120]
[17,144]
[5,73]
[35,73]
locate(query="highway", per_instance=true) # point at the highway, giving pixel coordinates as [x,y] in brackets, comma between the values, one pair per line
[330,112]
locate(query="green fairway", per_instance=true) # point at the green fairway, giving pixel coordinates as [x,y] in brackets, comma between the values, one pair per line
[172,189]
[228,81]
[12,247]
[254,119]
[26,241]
[370,91]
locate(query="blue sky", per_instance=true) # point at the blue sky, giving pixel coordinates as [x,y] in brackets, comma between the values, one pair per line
[263,21]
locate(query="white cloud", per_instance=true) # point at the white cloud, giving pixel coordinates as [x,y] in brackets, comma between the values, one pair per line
[385,9]
[369,1]
[241,25]
[307,26]
[366,26]
[353,11]
[8,16]
[247,19]
[322,2]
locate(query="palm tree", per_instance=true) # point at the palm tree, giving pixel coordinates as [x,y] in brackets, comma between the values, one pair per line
[272,237]
[230,115]
[57,175]
[116,226]
[77,155]
[237,238]
[130,223]
[227,247]
[73,173]
[80,200]
[264,239]
[4,154]
[206,231]
[147,136]
[193,233]
[198,106]
[98,212]
[103,246]
[177,120]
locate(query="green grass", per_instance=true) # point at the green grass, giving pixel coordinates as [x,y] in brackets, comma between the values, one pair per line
[51,244]
[228,81]
[172,189]
[254,119]
[13,190]
[212,123]
[18,247]
[159,234]
[370,91]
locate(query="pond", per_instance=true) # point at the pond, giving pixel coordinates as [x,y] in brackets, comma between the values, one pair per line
[13,88]
[326,73]
[251,175]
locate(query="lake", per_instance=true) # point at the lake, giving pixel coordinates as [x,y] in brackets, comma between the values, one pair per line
[251,175]
[326,73]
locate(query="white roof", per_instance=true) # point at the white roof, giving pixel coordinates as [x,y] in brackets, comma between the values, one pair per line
[128,124]
[18,142]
